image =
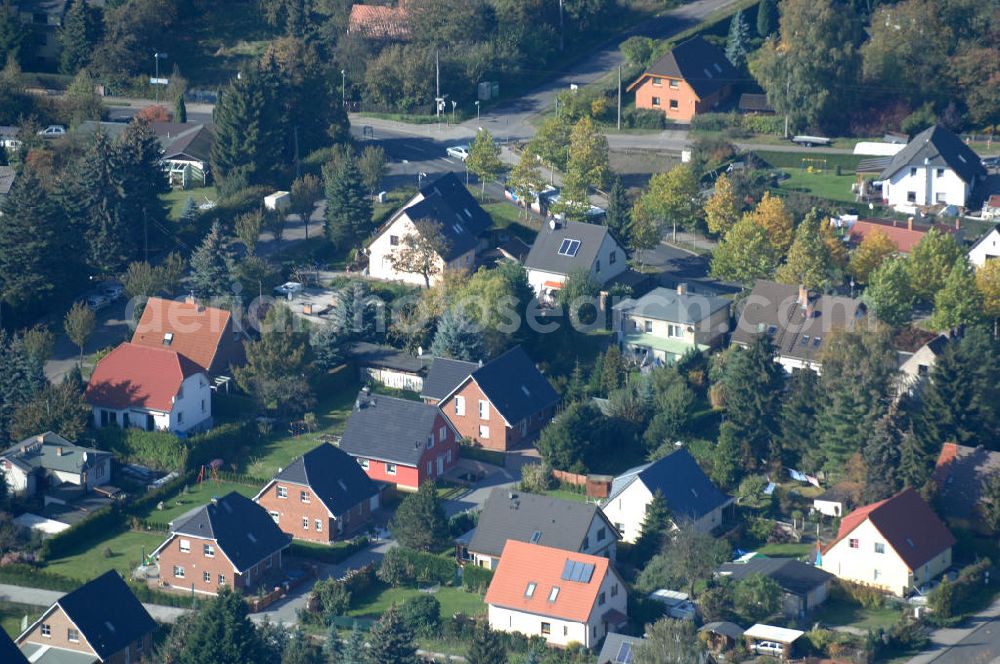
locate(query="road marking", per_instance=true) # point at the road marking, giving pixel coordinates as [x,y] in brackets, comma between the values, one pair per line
[447,160]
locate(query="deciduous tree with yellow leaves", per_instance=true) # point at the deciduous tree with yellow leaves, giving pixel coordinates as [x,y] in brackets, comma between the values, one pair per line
[874,249]
[771,215]
[988,285]
[722,210]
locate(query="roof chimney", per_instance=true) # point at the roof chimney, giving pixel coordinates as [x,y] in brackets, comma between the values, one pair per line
[909,223]
[553,224]
[682,289]
[215,500]
[803,296]
[40,438]
[190,299]
[59,451]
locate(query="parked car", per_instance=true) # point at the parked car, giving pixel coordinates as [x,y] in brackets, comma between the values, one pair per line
[769,648]
[53,131]
[460,152]
[991,162]
[288,288]
[97,301]
[113,291]
[810,141]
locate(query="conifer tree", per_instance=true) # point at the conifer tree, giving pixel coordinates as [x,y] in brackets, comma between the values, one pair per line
[753,384]
[211,265]
[727,458]
[487,647]
[798,420]
[222,633]
[12,33]
[279,367]
[767,18]
[456,338]
[881,456]
[110,239]
[391,640]
[737,44]
[348,207]
[619,213]
[420,522]
[248,128]
[180,110]
[655,525]
[80,32]
[353,650]
[21,378]
[140,179]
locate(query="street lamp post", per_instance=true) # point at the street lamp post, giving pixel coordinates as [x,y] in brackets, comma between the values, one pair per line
[454,105]
[156,58]
[343,88]
[477,113]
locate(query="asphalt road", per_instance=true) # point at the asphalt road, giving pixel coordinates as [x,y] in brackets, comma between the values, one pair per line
[980,647]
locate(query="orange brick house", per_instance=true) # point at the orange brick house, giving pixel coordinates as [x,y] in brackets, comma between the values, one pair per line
[101,621]
[204,335]
[694,77]
[321,496]
[231,542]
[499,405]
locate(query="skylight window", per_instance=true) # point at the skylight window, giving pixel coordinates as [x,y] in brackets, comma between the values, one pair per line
[251,538]
[527,392]
[624,655]
[707,73]
[530,590]
[342,485]
[717,67]
[111,628]
[167,338]
[569,247]
[577,571]
[467,213]
[535,536]
[554,593]
[457,228]
[805,340]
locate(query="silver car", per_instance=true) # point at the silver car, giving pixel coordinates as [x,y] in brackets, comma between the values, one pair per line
[460,152]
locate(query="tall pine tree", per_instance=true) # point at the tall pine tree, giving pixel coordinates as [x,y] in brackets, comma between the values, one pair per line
[487,647]
[767,18]
[348,206]
[211,265]
[753,384]
[80,33]
[798,421]
[141,180]
[738,42]
[457,338]
[21,378]
[110,240]
[391,640]
[619,214]
[881,457]
[249,137]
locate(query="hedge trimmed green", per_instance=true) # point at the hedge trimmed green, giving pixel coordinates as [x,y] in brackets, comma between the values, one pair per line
[405,566]
[81,535]
[476,579]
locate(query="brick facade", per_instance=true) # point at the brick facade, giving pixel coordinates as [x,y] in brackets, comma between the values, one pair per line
[434,462]
[58,626]
[305,517]
[196,562]
[465,413]
[675,98]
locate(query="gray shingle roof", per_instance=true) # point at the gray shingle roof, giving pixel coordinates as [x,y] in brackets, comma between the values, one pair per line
[688,491]
[939,147]
[775,309]
[374,355]
[447,202]
[195,143]
[389,429]
[561,524]
[43,451]
[240,527]
[514,386]
[791,575]
[107,613]
[7,176]
[732,630]
[545,256]
[961,482]
[444,376]
[612,648]
[668,305]
[703,66]
[333,475]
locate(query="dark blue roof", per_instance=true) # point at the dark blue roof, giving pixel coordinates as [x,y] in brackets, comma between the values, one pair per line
[444,376]
[107,614]
[447,202]
[515,386]
[688,491]
[333,475]
[389,429]
[9,653]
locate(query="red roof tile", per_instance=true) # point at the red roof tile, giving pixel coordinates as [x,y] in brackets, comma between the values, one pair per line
[197,331]
[994,201]
[522,563]
[905,238]
[907,523]
[379,21]
[140,377]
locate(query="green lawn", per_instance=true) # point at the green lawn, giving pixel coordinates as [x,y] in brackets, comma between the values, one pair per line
[11,615]
[839,612]
[826,185]
[176,198]
[197,495]
[453,600]
[567,494]
[788,549]
[126,551]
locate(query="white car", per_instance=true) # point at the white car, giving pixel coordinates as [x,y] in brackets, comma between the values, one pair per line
[288,288]
[460,152]
[769,648]
[53,131]
[96,302]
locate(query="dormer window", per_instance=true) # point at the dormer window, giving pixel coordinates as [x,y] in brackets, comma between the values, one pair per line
[530,590]
[553,594]
[168,338]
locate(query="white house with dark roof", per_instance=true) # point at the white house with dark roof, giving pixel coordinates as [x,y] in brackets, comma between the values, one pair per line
[692,499]
[988,246]
[51,457]
[564,247]
[935,167]
[462,223]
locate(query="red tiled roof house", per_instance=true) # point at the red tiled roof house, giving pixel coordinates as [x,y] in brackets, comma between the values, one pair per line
[155,389]
[896,544]
[204,335]
[562,596]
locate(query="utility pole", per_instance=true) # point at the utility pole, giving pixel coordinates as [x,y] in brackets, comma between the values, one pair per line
[454,104]
[619,97]
[295,135]
[343,88]
[562,42]
[437,84]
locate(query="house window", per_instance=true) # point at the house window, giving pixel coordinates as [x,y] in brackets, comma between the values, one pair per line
[282,492]
[656,101]
[203,405]
[911,197]
[460,405]
[913,172]
[879,547]
[484,409]
[363,463]
[305,523]
[853,543]
[72,635]
[530,590]
[178,571]
[601,599]
[923,370]
[319,527]
[657,81]
[448,457]
[647,326]
[546,628]
[554,593]
[393,240]
[876,575]
[274,516]
[222,579]
[674,84]
[601,534]
[613,258]
[484,432]
[209,551]
[941,197]
[674,331]
[673,104]
[442,432]
[597,266]
[47,630]
[565,630]
[185,546]
[614,590]
[939,173]
[430,467]
[304,496]
[390,469]
[206,577]
[180,417]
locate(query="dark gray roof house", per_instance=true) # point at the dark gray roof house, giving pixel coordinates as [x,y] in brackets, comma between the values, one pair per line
[961,475]
[514,385]
[444,376]
[618,649]
[936,146]
[186,142]
[334,476]
[804,586]
[551,254]
[389,429]
[7,176]
[668,304]
[9,654]
[239,526]
[703,66]
[527,517]
[797,320]
[106,613]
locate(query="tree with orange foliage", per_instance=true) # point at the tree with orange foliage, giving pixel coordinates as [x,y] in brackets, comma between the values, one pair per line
[155,114]
[771,215]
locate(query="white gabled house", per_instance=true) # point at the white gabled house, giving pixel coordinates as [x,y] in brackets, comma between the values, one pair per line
[561,596]
[564,247]
[988,247]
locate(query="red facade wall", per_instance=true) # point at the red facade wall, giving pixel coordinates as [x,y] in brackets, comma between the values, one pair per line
[501,436]
[687,102]
[220,570]
[411,477]
[292,509]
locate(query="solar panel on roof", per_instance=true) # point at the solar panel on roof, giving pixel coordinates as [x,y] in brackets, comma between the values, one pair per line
[588,572]
[624,655]
[569,247]
[567,570]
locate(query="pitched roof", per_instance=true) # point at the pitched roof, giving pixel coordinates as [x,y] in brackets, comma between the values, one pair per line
[704,67]
[791,575]
[239,526]
[333,475]
[903,238]
[373,355]
[936,146]
[50,451]
[195,142]
[7,176]
[379,22]
[514,385]
[107,614]
[775,308]
[389,429]
[755,102]
[545,253]
[195,331]
[561,524]
[618,649]
[907,523]
[9,651]
[993,201]
[138,376]
[960,475]
[993,231]
[728,629]
[688,491]
[444,376]
[522,563]
[667,304]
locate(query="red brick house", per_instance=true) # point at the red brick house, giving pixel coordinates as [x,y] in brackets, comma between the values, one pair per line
[499,405]
[231,542]
[399,441]
[321,496]
[694,77]
[204,335]
[101,620]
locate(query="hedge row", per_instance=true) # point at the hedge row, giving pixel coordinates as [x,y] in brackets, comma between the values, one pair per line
[404,566]
[476,579]
[19,574]
[222,442]
[757,124]
[81,535]
[156,449]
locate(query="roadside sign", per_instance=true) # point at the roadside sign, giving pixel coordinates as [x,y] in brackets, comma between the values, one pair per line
[158,81]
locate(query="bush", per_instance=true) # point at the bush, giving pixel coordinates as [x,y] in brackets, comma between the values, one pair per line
[422,614]
[334,598]
[867,596]
[476,579]
[81,535]
[222,442]
[331,555]
[462,523]
[156,449]
[404,566]
[643,118]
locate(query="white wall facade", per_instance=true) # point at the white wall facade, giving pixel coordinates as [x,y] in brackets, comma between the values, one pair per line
[862,564]
[628,509]
[399,380]
[602,269]
[18,481]
[986,249]
[928,185]
[192,410]
[916,368]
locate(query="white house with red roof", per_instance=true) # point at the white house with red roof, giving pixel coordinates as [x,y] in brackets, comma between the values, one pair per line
[562,596]
[204,335]
[155,389]
[896,544]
